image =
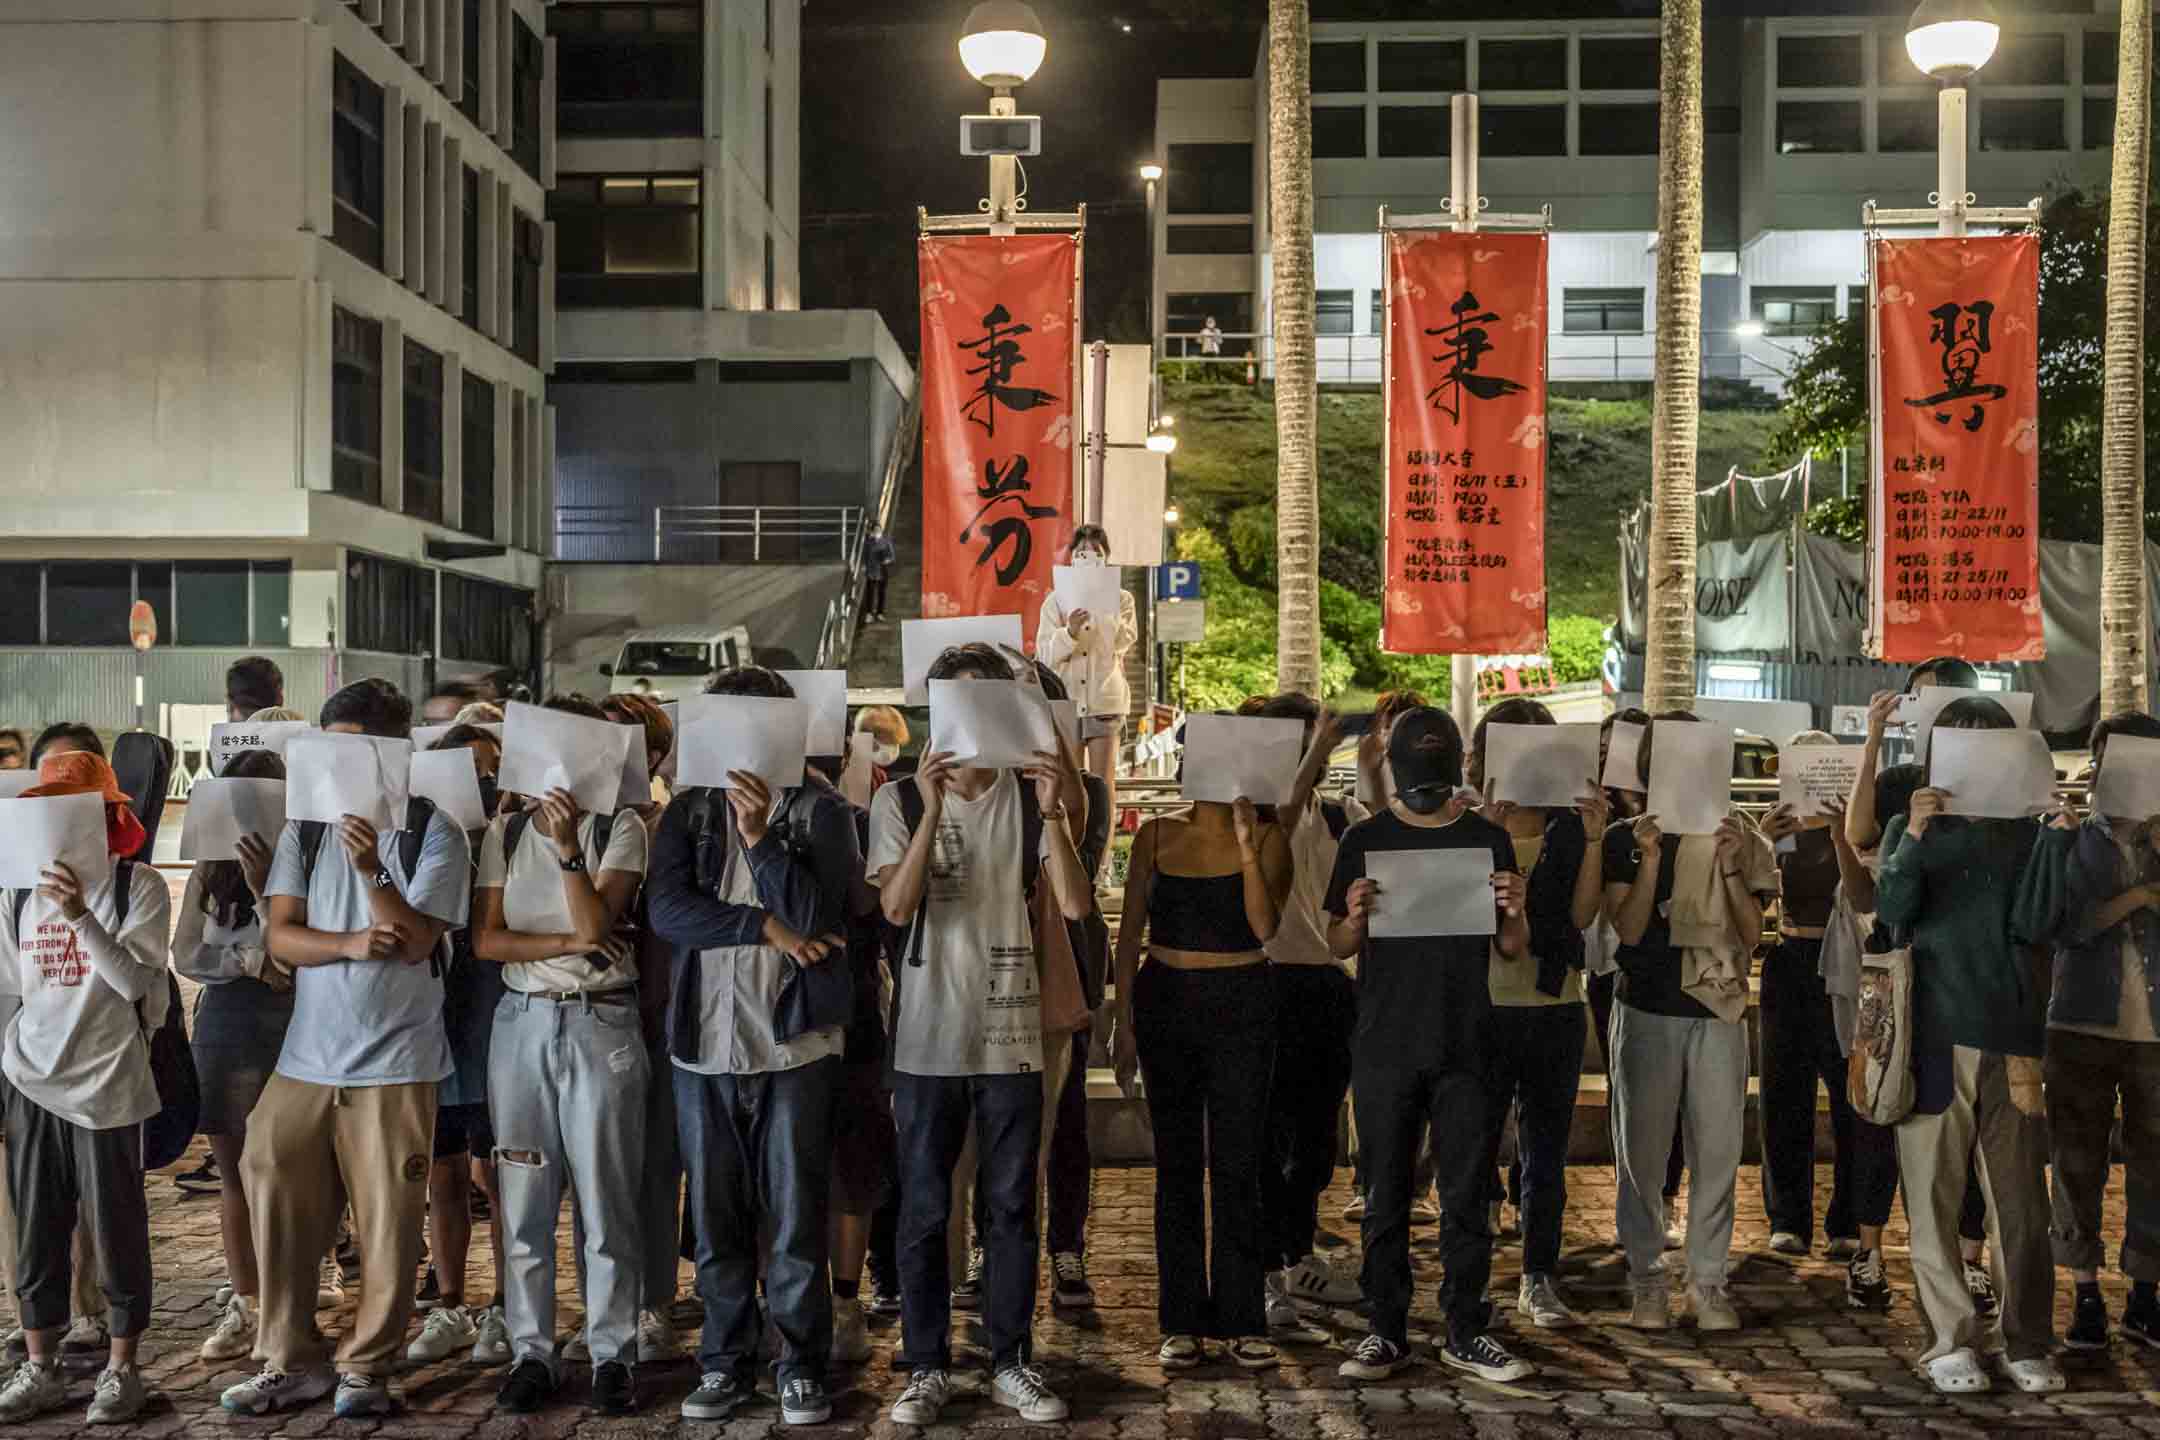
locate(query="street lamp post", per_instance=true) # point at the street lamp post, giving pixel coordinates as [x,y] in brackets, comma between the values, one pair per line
[1948,40]
[1002,46]
[1151,175]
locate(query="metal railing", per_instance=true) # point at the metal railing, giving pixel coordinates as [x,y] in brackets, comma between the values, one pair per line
[708,534]
[1356,359]
[843,617]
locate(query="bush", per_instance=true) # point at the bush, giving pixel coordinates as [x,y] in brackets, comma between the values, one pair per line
[1577,646]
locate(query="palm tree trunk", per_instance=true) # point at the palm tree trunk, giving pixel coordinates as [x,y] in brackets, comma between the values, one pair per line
[1297,401]
[1669,666]
[2124,624]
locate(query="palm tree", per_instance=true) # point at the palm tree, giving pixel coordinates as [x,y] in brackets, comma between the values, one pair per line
[1669,667]
[2124,623]
[1297,401]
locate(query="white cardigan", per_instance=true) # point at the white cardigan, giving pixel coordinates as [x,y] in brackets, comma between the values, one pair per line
[1093,666]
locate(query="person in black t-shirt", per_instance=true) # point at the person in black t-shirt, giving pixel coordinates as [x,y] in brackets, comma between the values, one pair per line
[1418,1057]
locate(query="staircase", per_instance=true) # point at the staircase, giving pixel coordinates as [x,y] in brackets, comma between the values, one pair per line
[873,660]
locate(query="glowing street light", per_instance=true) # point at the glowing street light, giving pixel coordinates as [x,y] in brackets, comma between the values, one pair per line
[1002,43]
[1949,39]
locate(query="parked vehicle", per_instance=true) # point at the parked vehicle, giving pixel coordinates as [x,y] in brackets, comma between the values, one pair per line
[676,660]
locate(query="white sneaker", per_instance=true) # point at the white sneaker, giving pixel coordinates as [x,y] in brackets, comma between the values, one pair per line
[491,1343]
[657,1341]
[1317,1282]
[32,1390]
[1020,1388]
[2037,1376]
[1285,1322]
[234,1335]
[1653,1304]
[330,1288]
[850,1333]
[924,1399]
[1539,1302]
[1784,1242]
[1714,1309]
[447,1330]
[1355,1210]
[275,1389]
[119,1397]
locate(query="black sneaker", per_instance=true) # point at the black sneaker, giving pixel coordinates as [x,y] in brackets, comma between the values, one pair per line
[613,1391]
[478,1207]
[1484,1357]
[527,1389]
[430,1293]
[1069,1287]
[202,1180]
[1376,1358]
[2141,1323]
[1867,1286]
[1981,1286]
[803,1401]
[2088,1323]
[967,1295]
[717,1396]
[884,1298]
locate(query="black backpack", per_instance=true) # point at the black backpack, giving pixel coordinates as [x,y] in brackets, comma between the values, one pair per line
[419,811]
[144,764]
[172,1060]
[632,925]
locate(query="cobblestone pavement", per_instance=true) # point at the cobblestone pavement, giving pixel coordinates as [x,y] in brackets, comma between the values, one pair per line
[1805,1364]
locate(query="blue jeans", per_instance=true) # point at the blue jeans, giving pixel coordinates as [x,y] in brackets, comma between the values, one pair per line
[758,1148]
[933,1113]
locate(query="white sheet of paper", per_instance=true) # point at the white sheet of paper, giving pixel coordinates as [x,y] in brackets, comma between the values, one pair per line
[425,736]
[228,740]
[452,780]
[1690,776]
[548,749]
[67,828]
[1994,774]
[1432,892]
[1807,775]
[2128,786]
[1094,588]
[922,641]
[1919,710]
[753,733]
[1549,766]
[1621,772]
[14,782]
[1232,756]
[329,776]
[1774,720]
[636,771]
[219,812]
[990,724]
[825,692]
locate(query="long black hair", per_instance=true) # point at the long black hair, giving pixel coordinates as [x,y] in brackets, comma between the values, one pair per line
[225,894]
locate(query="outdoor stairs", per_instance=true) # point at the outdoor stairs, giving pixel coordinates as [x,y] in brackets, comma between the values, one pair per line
[875,660]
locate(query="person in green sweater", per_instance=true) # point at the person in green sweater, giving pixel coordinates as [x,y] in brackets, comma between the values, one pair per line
[1950,884]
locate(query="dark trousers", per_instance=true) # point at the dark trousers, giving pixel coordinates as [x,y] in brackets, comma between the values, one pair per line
[1800,1050]
[1315,1012]
[1600,990]
[56,1172]
[1396,1105]
[874,595]
[758,1153]
[933,1113]
[1207,1040]
[1534,1063]
[1875,1183]
[2085,1075]
[1072,1167]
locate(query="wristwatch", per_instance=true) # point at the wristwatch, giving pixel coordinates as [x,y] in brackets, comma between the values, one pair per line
[575,865]
[382,879]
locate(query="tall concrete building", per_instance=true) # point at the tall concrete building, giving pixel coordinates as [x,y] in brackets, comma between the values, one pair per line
[275,275]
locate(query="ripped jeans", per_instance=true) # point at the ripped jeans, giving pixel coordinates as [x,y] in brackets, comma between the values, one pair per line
[566,1087]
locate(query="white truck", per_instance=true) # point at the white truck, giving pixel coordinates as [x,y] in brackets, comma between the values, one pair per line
[676,660]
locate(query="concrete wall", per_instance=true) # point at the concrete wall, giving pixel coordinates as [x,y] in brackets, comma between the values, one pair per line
[596,606]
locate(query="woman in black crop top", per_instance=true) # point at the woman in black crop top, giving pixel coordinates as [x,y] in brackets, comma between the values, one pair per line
[1207,888]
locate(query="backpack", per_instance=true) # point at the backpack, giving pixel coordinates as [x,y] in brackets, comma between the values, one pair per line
[419,811]
[165,1135]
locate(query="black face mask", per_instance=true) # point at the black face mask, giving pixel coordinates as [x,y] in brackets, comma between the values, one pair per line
[1426,760]
[490,796]
[1426,799]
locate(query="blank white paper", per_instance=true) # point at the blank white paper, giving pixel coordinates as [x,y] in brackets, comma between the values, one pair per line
[1690,776]
[1993,774]
[2128,786]
[825,692]
[220,812]
[1432,892]
[990,724]
[450,778]
[546,749]
[1097,589]
[425,736]
[1232,757]
[329,776]
[1548,766]
[1621,772]
[66,828]
[229,740]
[922,641]
[756,734]
[14,782]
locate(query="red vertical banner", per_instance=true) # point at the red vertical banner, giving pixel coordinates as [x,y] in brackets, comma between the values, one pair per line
[999,382]
[1466,444]
[1955,543]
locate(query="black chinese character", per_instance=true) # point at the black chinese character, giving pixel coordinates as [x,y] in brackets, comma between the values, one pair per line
[1465,343]
[1007,530]
[999,350]
[1963,333]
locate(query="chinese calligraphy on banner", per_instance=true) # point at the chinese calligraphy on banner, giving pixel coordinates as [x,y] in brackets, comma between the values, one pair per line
[998,387]
[1466,444]
[1955,545]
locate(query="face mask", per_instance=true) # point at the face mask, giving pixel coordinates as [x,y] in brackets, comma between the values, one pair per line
[884,755]
[1418,751]
[489,796]
[1089,557]
[1426,799]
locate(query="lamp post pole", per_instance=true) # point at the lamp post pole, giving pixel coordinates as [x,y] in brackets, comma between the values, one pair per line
[1463,187]
[1950,156]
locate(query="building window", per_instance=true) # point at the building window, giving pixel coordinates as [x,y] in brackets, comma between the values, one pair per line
[525,292]
[2030,59]
[1793,309]
[1818,127]
[1905,127]
[629,68]
[469,245]
[1522,65]
[2099,122]
[1335,312]
[1338,132]
[1410,130]
[356,163]
[1427,65]
[356,406]
[772,274]
[1815,62]
[87,603]
[2101,62]
[486,624]
[1338,67]
[389,606]
[2021,124]
[1619,63]
[626,240]
[1210,179]
[526,63]
[1505,130]
[476,459]
[1617,130]
[198,602]
[423,433]
[1379,312]
[210,602]
[1208,239]
[22,590]
[270,581]
[469,81]
[1602,312]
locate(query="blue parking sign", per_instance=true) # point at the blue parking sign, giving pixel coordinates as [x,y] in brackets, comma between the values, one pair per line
[1179,580]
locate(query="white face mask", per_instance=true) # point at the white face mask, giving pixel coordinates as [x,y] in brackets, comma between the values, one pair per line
[1089,556]
[884,755]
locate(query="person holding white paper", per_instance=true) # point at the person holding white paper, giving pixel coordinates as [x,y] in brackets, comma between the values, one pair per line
[1087,651]
[1207,887]
[360,915]
[1421,1054]
[1979,1031]
[1688,912]
[955,864]
[1536,1048]
[1863,825]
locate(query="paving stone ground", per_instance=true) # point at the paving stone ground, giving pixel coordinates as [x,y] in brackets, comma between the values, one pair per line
[1805,1364]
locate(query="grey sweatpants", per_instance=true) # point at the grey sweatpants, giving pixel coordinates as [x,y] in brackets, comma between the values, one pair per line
[59,1175]
[1693,1073]
[566,1087]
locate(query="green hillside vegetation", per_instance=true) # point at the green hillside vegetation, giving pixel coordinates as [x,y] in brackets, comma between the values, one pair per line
[1223,479]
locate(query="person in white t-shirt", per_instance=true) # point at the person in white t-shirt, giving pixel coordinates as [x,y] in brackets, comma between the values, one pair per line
[967,1035]
[82,988]
[360,915]
[567,1073]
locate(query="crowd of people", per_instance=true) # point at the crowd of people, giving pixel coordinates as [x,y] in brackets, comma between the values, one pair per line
[828,1040]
